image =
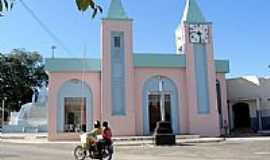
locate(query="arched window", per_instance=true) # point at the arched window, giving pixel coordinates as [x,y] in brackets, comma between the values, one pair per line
[74,111]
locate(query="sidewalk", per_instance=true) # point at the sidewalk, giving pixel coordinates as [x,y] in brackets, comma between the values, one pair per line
[124,141]
[261,138]
[118,141]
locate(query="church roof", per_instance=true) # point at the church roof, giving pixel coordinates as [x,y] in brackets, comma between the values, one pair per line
[72,65]
[159,60]
[193,13]
[116,10]
[139,60]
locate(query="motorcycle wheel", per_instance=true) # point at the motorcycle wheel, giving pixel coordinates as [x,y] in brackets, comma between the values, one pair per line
[79,153]
[109,155]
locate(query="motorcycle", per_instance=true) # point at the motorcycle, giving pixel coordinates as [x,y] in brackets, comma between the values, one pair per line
[84,150]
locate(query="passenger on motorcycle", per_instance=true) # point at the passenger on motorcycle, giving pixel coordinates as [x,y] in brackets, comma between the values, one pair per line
[107,133]
[106,140]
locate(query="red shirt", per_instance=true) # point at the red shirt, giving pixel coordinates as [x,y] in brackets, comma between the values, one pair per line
[107,134]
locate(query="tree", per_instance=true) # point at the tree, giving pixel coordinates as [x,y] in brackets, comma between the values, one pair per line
[83,5]
[20,73]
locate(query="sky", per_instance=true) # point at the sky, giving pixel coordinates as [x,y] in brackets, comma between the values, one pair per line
[241,29]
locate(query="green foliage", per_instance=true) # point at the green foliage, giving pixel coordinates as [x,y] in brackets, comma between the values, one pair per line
[83,5]
[20,73]
[6,5]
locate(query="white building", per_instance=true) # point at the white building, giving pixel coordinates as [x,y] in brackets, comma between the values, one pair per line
[249,102]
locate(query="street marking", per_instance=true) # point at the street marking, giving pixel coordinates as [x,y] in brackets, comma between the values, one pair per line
[262,153]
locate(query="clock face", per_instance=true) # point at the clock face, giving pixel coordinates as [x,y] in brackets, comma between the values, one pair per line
[199,33]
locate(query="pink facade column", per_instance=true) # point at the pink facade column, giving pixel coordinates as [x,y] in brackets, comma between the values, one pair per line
[212,84]
[225,113]
[122,125]
[202,124]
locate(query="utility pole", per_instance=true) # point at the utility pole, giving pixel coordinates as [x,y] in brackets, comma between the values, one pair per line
[3,112]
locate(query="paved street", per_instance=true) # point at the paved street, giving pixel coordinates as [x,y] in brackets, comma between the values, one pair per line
[233,150]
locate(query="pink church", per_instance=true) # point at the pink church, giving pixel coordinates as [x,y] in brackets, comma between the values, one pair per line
[123,87]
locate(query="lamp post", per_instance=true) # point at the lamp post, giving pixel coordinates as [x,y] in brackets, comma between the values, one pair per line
[19,102]
[3,110]
[53,47]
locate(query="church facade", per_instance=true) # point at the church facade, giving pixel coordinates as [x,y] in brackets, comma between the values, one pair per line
[126,88]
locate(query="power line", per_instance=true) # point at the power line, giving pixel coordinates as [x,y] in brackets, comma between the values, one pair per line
[45,28]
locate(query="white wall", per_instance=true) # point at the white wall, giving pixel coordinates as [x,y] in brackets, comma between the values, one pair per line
[241,88]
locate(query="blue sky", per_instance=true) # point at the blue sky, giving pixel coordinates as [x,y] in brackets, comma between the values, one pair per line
[241,29]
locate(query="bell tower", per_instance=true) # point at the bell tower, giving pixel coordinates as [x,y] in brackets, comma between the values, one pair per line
[194,39]
[117,76]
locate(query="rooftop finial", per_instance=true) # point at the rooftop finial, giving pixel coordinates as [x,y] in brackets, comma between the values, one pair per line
[116,10]
[192,13]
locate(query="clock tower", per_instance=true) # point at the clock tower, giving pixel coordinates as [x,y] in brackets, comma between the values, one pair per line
[194,39]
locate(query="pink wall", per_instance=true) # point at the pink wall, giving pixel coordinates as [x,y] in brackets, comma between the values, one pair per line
[132,123]
[175,74]
[222,80]
[141,76]
[56,80]
[122,125]
[202,124]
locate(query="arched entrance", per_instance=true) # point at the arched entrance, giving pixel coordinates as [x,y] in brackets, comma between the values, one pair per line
[241,116]
[74,111]
[151,104]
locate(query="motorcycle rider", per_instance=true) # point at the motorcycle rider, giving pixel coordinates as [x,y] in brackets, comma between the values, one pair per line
[93,135]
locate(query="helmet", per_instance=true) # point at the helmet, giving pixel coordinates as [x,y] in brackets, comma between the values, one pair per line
[97,124]
[105,124]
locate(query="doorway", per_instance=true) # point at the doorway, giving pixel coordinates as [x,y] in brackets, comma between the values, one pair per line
[241,116]
[154,110]
[75,114]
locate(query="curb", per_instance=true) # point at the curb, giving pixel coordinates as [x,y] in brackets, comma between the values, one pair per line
[123,143]
[42,140]
[248,139]
[12,137]
[116,139]
[203,140]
